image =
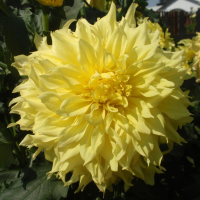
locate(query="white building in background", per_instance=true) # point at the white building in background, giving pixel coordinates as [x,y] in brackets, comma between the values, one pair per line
[154,8]
[189,6]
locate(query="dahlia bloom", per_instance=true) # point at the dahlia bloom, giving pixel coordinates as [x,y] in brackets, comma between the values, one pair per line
[186,45]
[101,100]
[52,3]
[196,59]
[165,41]
[168,42]
[192,55]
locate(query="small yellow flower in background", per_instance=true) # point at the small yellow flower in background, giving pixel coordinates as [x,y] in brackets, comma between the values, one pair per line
[192,55]
[196,59]
[186,45]
[101,100]
[98,4]
[165,41]
[193,16]
[52,3]
[168,41]
[138,14]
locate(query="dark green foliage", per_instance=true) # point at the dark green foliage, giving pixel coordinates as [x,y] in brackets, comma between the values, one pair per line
[153,16]
[16,36]
[71,12]
[32,183]
[3,7]
[33,21]
[6,142]
[94,14]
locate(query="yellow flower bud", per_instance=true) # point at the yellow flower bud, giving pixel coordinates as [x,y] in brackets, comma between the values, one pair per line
[52,3]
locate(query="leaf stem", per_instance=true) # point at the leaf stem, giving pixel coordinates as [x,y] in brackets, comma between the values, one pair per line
[14,131]
[83,14]
[124,4]
[31,161]
[45,18]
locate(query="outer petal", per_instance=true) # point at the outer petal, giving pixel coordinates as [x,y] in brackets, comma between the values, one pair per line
[64,49]
[87,57]
[40,42]
[130,15]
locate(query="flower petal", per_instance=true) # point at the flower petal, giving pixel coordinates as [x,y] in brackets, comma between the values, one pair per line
[96,115]
[87,56]
[74,105]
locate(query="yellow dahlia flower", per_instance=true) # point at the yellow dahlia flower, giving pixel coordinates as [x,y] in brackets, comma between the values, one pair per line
[98,4]
[168,41]
[101,100]
[196,59]
[52,3]
[192,55]
[186,45]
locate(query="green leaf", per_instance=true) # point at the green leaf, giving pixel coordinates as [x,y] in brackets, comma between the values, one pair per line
[5,135]
[16,35]
[28,2]
[32,21]
[6,155]
[152,15]
[34,185]
[2,109]
[6,151]
[9,60]
[72,12]
[3,65]
[37,21]
[190,131]
[8,176]
[4,7]
[26,15]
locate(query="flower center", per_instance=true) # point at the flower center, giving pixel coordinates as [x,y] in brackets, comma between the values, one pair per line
[110,88]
